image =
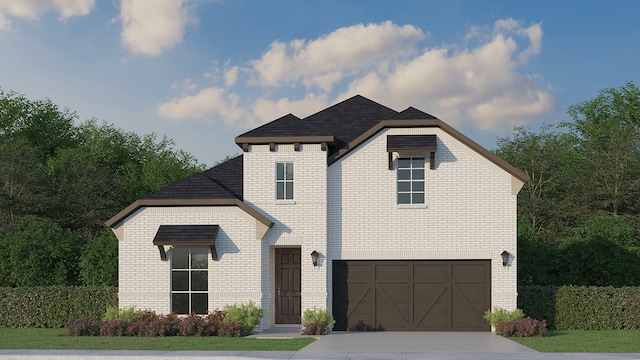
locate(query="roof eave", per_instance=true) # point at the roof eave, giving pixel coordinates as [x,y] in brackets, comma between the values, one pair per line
[119,217]
[245,140]
[430,123]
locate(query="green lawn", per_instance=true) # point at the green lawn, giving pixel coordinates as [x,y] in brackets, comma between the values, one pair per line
[55,339]
[602,341]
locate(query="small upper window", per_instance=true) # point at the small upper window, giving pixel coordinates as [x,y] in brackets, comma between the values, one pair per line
[410,185]
[284,181]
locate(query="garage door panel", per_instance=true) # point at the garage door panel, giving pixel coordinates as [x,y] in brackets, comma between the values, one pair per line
[412,295]
[392,270]
[431,270]
[392,305]
[431,306]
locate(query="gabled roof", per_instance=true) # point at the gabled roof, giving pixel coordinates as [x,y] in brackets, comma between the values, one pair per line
[218,186]
[339,128]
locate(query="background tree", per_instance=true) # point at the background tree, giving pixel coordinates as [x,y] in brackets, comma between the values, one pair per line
[60,182]
[606,130]
[546,157]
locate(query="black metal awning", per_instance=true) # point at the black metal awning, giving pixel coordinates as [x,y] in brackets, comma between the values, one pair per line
[186,235]
[412,143]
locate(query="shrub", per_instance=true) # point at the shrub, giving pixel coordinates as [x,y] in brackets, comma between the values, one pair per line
[501,315]
[82,327]
[523,327]
[192,325]
[230,329]
[247,316]
[314,328]
[127,315]
[113,328]
[53,306]
[583,308]
[317,321]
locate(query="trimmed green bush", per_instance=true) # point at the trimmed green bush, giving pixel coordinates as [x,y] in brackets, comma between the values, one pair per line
[317,321]
[502,315]
[248,316]
[582,307]
[53,306]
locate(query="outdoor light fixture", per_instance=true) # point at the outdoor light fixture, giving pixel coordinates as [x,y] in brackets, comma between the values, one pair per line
[505,256]
[314,258]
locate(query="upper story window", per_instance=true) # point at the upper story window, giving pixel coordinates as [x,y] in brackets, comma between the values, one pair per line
[189,280]
[284,181]
[410,175]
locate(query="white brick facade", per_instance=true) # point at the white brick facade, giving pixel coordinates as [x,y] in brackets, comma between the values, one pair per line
[300,222]
[345,211]
[145,280]
[470,211]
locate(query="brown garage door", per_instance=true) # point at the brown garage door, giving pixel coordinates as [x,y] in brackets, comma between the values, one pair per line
[411,295]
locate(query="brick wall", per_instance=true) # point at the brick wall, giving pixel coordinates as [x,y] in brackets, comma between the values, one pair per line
[470,210]
[297,223]
[144,279]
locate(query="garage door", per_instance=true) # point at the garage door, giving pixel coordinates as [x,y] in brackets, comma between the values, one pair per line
[411,295]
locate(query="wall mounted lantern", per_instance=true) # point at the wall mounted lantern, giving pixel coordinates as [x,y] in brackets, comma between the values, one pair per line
[314,258]
[505,256]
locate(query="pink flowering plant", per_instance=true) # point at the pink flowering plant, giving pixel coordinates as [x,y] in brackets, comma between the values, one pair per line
[130,322]
[524,327]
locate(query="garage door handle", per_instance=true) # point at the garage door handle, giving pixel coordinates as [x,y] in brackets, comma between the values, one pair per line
[278,293]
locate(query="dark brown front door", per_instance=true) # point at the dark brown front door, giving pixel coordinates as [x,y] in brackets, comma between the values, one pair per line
[287,286]
[411,295]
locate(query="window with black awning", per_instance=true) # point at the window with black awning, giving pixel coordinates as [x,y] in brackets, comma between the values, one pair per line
[186,235]
[411,144]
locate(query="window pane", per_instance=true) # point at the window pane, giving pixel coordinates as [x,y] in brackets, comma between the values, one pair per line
[418,198]
[280,171]
[417,162]
[404,174]
[280,190]
[199,281]
[289,171]
[418,174]
[404,198]
[180,281]
[199,259]
[404,186]
[199,303]
[404,163]
[290,190]
[417,186]
[180,303]
[180,258]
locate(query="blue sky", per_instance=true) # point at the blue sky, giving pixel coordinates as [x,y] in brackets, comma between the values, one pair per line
[202,72]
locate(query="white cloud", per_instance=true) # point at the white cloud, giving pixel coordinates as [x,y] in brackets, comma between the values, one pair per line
[208,102]
[33,9]
[484,85]
[265,110]
[349,48]
[150,27]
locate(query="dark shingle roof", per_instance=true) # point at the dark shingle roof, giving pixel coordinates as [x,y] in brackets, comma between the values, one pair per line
[220,182]
[341,126]
[288,125]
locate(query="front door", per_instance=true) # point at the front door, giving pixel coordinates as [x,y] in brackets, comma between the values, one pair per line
[287,286]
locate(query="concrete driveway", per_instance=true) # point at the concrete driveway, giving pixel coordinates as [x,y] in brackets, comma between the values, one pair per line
[422,341]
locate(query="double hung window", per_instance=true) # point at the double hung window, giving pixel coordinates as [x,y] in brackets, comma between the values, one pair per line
[284,181]
[189,280]
[410,180]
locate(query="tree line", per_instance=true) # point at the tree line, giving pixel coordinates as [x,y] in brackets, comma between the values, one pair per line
[60,180]
[579,214]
